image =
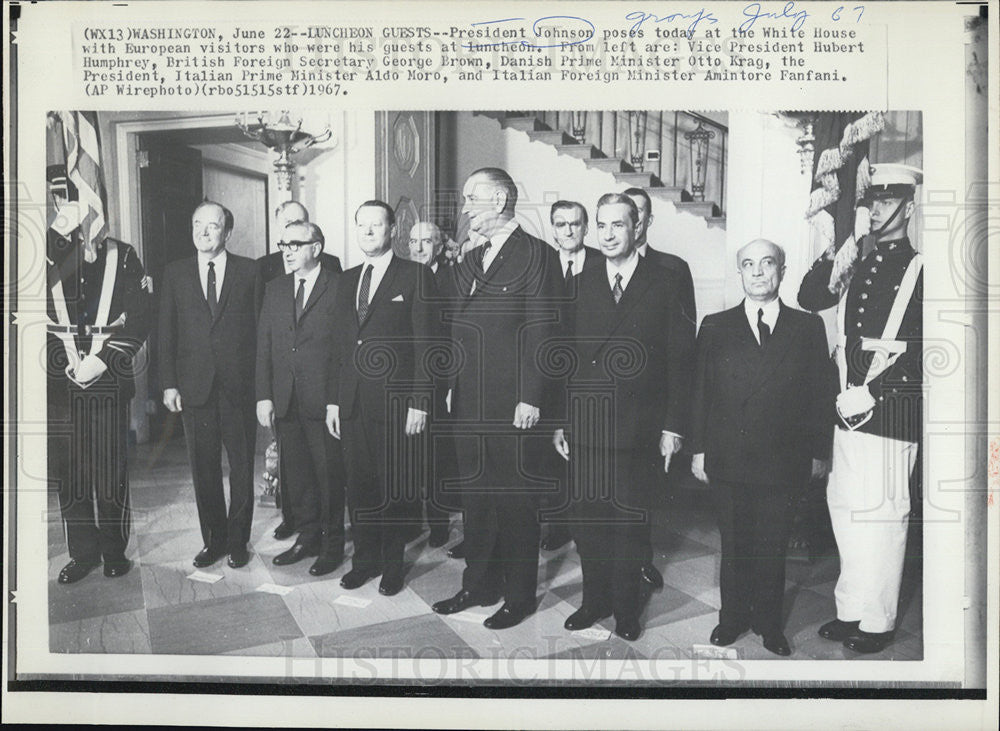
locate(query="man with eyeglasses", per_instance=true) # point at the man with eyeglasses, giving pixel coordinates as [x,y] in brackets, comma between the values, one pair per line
[208,337]
[295,349]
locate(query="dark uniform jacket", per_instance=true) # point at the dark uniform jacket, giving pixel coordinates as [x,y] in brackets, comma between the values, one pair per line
[685,282]
[82,284]
[870,296]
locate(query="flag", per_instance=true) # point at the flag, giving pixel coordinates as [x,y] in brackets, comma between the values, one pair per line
[840,179]
[82,148]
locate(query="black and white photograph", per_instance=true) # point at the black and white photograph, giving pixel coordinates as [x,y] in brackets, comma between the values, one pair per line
[573,472]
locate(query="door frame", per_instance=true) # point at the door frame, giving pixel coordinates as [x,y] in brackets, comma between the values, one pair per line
[126,145]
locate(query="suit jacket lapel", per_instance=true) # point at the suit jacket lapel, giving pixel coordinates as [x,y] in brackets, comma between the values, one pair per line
[777,347]
[197,293]
[318,289]
[641,280]
[227,287]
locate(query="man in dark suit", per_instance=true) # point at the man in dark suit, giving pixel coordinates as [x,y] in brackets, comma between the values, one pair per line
[98,319]
[685,288]
[628,408]
[295,352]
[208,335]
[761,430]
[381,397]
[664,259]
[569,228]
[435,454]
[271,266]
[511,299]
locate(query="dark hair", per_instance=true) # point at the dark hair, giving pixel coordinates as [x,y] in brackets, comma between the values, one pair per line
[640,193]
[501,179]
[315,232]
[390,214]
[227,216]
[610,199]
[568,206]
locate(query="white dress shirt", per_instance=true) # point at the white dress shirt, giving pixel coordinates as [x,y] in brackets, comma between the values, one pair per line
[379,265]
[220,271]
[497,240]
[771,310]
[626,270]
[578,257]
[310,282]
[641,248]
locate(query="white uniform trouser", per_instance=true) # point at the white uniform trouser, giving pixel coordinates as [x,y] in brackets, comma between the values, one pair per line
[868,494]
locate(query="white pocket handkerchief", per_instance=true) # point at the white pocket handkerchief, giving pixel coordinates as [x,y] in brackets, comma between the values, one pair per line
[398,298]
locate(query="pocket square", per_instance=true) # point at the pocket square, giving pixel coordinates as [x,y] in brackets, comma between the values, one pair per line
[398,298]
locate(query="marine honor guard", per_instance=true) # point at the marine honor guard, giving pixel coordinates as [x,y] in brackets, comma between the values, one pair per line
[98,309]
[878,296]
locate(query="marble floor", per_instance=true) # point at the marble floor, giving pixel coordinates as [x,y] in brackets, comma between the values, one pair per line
[157,609]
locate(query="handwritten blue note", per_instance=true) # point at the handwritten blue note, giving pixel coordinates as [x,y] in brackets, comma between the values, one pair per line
[639,17]
[754,12]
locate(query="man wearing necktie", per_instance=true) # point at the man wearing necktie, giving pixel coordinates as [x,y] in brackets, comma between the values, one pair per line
[207,347]
[512,295]
[627,405]
[295,351]
[569,228]
[380,394]
[760,432]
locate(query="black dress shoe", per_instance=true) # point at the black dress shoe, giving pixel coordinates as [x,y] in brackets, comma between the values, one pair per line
[867,642]
[116,568]
[76,570]
[725,634]
[207,556]
[326,564]
[391,584]
[238,558]
[557,537]
[457,551]
[438,536]
[584,617]
[508,616]
[651,576]
[628,629]
[283,531]
[358,577]
[777,643]
[837,630]
[294,554]
[462,601]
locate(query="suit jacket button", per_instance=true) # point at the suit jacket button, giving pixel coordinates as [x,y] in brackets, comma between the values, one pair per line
[359,342]
[294,350]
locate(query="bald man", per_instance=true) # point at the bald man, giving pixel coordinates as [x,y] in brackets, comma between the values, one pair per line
[761,429]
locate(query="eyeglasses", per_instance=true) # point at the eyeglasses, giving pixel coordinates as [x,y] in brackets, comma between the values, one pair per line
[294,246]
